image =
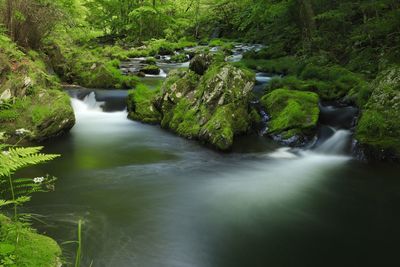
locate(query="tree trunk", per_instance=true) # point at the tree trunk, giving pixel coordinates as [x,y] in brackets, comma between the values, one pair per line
[9,16]
[307,18]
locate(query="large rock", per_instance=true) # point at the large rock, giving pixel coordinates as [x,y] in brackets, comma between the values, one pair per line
[213,108]
[293,115]
[378,130]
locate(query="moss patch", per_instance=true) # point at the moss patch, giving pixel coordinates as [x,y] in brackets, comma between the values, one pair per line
[292,112]
[31,249]
[379,126]
[141,106]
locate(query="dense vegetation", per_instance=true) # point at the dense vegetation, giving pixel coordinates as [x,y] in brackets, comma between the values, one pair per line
[346,52]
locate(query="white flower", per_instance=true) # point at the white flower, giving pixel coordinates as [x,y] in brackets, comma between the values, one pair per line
[6,153]
[38,180]
[21,131]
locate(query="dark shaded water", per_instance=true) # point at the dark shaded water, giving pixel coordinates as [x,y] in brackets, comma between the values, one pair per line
[149,198]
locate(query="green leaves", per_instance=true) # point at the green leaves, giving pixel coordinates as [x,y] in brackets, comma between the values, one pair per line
[18,158]
[17,191]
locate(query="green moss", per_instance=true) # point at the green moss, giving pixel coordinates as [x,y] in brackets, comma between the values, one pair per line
[330,83]
[284,65]
[8,115]
[291,111]
[151,69]
[219,129]
[184,119]
[134,53]
[379,125]
[141,106]
[36,104]
[21,246]
[88,67]
[150,60]
[179,58]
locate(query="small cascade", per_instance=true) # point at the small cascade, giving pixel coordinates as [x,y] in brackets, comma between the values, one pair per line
[162,74]
[88,104]
[336,144]
[334,135]
[263,78]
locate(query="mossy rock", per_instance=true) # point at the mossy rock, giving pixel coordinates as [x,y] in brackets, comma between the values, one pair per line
[213,108]
[33,249]
[141,106]
[293,113]
[179,58]
[150,61]
[151,69]
[378,129]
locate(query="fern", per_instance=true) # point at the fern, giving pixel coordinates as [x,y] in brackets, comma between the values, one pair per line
[17,191]
[14,159]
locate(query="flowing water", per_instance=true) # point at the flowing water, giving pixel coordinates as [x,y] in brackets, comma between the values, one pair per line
[150,199]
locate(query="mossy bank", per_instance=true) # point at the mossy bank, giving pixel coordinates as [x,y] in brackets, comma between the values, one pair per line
[32,105]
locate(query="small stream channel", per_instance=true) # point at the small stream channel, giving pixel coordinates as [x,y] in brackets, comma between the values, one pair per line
[149,198]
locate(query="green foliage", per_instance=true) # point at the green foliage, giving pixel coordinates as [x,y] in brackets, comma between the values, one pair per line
[179,58]
[329,82]
[20,190]
[22,246]
[284,65]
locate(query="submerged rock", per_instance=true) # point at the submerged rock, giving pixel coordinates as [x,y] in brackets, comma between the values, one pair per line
[378,130]
[293,115]
[213,108]
[150,69]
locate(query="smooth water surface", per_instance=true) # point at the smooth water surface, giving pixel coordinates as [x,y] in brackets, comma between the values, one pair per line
[149,198]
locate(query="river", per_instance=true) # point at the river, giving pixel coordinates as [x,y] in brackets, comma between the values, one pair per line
[149,198]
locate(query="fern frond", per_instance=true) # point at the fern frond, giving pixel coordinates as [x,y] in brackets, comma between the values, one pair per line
[18,158]
[5,202]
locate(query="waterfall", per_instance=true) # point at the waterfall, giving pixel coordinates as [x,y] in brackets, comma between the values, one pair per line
[88,104]
[336,144]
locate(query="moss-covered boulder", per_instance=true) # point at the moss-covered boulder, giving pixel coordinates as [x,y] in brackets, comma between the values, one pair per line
[378,129]
[32,106]
[213,108]
[151,69]
[32,250]
[293,114]
[141,106]
[179,58]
